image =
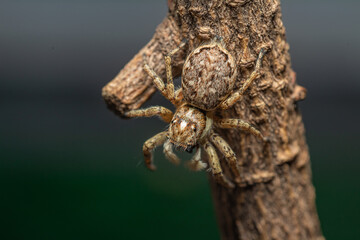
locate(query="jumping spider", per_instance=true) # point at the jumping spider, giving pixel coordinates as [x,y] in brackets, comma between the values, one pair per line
[208,78]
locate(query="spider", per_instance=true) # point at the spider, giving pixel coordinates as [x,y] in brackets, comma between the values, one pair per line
[208,78]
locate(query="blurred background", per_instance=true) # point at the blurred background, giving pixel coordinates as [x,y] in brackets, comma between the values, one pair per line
[71,169]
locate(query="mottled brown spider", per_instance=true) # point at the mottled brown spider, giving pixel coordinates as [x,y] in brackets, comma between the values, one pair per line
[208,78]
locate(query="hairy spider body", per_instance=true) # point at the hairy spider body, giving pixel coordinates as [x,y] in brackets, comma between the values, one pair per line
[187,127]
[208,76]
[208,79]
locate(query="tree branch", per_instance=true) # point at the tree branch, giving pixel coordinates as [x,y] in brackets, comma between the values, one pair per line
[276,199]
[132,86]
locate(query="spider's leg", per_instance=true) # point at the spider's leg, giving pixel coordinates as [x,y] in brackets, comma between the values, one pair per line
[163,112]
[229,154]
[159,83]
[234,97]
[178,97]
[237,123]
[169,154]
[169,76]
[215,165]
[195,163]
[149,145]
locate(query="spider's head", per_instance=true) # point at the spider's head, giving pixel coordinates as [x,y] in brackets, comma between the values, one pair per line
[186,128]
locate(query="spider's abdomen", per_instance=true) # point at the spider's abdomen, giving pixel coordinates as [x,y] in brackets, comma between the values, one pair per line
[208,76]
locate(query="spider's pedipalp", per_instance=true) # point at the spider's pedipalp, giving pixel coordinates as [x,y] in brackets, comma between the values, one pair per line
[149,145]
[169,154]
[215,165]
[195,163]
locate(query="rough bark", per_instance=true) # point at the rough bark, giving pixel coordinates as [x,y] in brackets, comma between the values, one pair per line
[277,199]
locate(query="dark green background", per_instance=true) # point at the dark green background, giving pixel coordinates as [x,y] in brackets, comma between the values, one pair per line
[71,169]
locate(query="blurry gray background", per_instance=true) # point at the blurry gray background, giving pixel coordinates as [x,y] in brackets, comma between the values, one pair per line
[71,169]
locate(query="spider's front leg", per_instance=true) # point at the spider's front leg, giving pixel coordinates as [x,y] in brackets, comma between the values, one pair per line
[237,123]
[149,145]
[166,90]
[234,97]
[158,139]
[229,154]
[159,83]
[169,76]
[215,165]
[163,112]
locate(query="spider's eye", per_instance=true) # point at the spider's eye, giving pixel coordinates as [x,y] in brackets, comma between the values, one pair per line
[194,129]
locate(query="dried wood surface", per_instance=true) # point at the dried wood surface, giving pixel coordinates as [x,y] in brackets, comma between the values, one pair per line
[277,198]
